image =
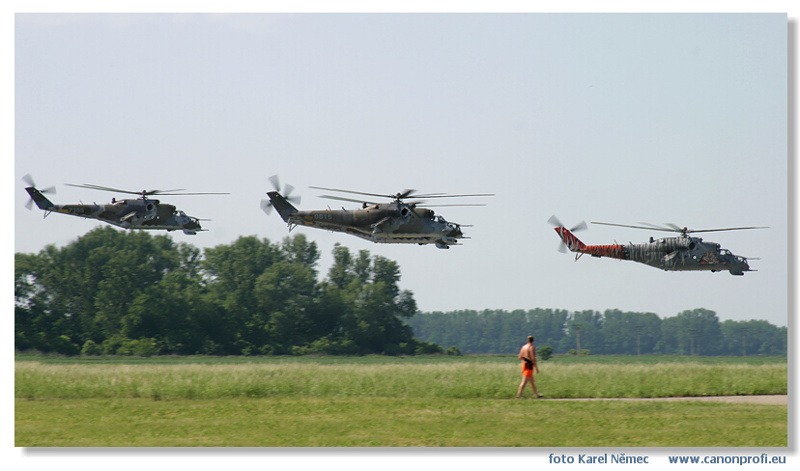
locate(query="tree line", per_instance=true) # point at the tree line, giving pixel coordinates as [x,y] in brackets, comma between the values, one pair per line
[692,332]
[127,292]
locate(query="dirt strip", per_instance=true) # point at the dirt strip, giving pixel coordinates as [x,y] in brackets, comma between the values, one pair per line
[775,400]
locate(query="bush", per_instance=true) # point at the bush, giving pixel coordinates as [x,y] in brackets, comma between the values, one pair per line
[211,348]
[326,346]
[584,352]
[426,348]
[63,344]
[453,351]
[21,342]
[545,352]
[111,345]
[91,348]
[144,347]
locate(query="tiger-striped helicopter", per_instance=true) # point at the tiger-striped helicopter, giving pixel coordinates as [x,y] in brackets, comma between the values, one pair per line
[140,213]
[403,220]
[682,253]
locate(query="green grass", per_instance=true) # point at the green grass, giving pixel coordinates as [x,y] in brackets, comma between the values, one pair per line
[382,401]
[434,378]
[382,359]
[391,422]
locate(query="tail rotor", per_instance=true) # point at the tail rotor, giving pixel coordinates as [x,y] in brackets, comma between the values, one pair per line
[562,247]
[286,192]
[28,179]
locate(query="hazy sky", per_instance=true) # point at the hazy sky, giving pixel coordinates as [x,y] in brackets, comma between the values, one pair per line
[624,118]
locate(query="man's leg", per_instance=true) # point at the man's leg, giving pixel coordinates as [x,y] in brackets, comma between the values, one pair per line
[521,387]
[535,392]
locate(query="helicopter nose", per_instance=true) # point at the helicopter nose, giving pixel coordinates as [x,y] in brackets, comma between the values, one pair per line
[744,263]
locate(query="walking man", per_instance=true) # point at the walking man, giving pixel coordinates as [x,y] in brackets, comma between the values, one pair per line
[528,356]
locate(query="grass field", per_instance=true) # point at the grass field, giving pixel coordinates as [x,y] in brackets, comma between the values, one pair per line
[391,401]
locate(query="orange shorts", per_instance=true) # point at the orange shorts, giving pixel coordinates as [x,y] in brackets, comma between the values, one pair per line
[526,372]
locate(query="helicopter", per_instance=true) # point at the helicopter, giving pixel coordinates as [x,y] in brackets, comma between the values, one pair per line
[682,253]
[400,221]
[139,213]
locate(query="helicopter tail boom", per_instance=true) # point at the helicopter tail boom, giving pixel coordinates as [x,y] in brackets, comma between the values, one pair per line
[570,241]
[574,244]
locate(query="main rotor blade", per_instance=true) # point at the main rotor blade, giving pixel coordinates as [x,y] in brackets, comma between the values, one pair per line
[678,229]
[402,195]
[653,228]
[351,200]
[144,192]
[442,195]
[103,188]
[159,192]
[420,204]
[352,192]
[728,229]
[156,192]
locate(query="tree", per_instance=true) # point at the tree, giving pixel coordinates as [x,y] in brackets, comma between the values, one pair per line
[695,332]
[129,292]
[341,272]
[583,332]
[371,307]
[231,272]
[287,294]
[630,333]
[753,337]
[86,287]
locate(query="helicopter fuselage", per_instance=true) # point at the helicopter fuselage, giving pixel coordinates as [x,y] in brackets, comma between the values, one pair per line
[683,253]
[390,223]
[142,213]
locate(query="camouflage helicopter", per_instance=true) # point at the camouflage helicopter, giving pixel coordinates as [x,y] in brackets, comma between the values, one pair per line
[401,221]
[140,213]
[681,253]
